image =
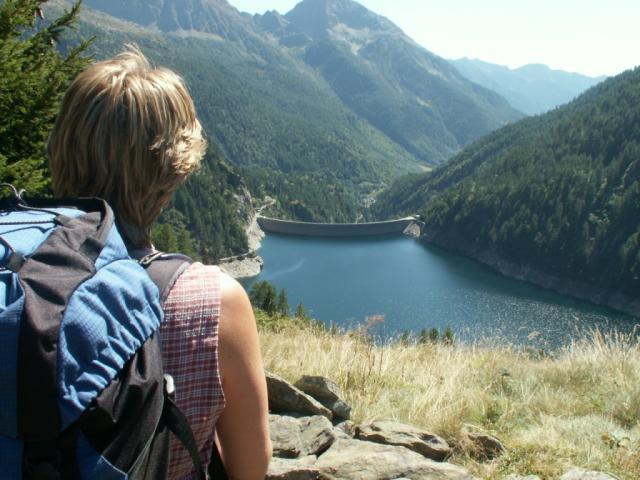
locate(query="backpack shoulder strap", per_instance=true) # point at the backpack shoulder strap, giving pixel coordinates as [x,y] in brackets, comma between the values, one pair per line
[164,269]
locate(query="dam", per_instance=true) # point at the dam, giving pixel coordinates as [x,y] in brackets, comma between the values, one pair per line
[312,229]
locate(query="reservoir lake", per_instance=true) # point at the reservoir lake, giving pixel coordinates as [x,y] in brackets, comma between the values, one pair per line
[414,286]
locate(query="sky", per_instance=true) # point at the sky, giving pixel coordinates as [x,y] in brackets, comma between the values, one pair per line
[592,37]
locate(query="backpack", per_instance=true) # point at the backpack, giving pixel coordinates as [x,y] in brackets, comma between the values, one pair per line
[82,390]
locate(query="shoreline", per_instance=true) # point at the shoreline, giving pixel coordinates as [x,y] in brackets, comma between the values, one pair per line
[248,267]
[563,286]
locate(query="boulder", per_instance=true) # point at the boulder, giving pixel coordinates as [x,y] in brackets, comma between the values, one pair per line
[513,476]
[285,398]
[580,474]
[408,436]
[482,446]
[298,437]
[346,429]
[327,392]
[360,460]
[287,469]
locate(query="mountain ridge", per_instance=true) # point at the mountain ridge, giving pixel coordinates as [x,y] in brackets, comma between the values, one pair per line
[415,97]
[532,88]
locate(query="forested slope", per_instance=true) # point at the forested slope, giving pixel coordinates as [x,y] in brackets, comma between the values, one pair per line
[557,194]
[263,108]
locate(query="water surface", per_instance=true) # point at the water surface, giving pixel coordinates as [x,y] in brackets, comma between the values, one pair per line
[415,286]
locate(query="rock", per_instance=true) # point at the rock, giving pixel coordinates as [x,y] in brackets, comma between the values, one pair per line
[482,446]
[513,476]
[285,469]
[408,436]
[347,428]
[285,398]
[299,437]
[243,268]
[327,392]
[359,460]
[580,474]
[412,230]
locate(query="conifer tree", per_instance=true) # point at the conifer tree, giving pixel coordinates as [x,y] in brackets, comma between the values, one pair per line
[301,312]
[282,303]
[34,75]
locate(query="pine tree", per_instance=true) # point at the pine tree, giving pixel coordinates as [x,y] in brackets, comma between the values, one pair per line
[282,303]
[301,312]
[164,238]
[33,78]
[263,296]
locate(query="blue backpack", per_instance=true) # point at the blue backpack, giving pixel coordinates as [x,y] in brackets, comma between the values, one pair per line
[82,390]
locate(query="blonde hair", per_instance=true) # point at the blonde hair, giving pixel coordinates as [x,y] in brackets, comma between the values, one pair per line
[126,132]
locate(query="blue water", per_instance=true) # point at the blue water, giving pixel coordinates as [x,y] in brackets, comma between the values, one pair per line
[414,286]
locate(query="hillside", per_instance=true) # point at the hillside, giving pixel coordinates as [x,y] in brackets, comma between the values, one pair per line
[532,89]
[264,108]
[553,199]
[413,96]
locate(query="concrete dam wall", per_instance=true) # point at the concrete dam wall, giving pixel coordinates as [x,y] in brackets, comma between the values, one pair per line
[290,227]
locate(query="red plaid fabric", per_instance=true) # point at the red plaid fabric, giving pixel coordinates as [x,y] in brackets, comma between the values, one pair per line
[189,340]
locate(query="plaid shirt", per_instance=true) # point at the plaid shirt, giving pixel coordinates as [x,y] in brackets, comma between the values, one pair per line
[189,340]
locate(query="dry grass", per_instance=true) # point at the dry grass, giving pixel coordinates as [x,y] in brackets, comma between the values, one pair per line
[580,407]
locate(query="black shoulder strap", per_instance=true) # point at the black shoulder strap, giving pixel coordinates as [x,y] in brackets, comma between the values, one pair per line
[164,269]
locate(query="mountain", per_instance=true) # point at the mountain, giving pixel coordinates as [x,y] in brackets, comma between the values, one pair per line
[554,199]
[415,97]
[267,111]
[532,88]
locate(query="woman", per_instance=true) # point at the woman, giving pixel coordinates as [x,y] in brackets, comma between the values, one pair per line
[128,132]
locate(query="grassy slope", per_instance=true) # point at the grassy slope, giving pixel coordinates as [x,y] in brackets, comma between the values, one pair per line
[580,407]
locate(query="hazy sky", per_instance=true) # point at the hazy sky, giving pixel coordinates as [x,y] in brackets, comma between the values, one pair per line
[593,37]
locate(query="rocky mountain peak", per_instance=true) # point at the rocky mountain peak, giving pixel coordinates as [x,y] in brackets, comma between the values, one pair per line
[318,18]
[208,16]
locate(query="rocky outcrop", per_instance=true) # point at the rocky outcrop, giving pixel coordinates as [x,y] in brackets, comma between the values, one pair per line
[300,437]
[580,474]
[247,267]
[482,446]
[307,446]
[285,398]
[420,441]
[360,460]
[292,469]
[326,392]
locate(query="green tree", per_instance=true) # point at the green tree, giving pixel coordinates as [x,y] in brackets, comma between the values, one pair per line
[448,337]
[433,335]
[263,296]
[34,75]
[282,304]
[164,238]
[302,312]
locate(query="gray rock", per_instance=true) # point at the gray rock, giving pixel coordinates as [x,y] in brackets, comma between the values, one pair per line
[408,436]
[347,429]
[286,469]
[580,474]
[327,392]
[359,460]
[482,446]
[285,398]
[299,437]
[513,476]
